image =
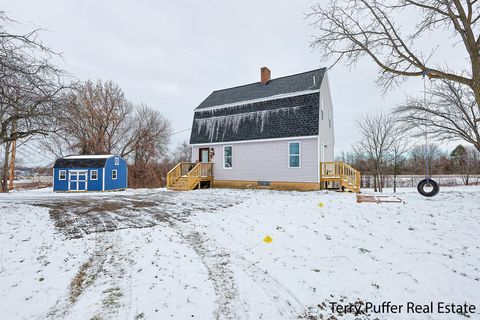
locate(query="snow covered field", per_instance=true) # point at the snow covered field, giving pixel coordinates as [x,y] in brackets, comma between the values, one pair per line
[154,254]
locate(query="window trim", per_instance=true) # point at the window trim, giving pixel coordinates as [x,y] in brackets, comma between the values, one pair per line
[299,154]
[231,157]
[60,175]
[91,173]
[116,174]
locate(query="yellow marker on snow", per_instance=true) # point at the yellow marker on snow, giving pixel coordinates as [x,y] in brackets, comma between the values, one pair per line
[267,239]
[320,204]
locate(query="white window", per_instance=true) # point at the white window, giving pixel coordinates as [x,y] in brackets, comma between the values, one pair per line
[294,154]
[94,175]
[114,174]
[227,157]
[62,175]
[117,161]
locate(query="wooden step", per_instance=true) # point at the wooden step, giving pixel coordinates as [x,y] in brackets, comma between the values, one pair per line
[188,175]
[182,184]
[177,189]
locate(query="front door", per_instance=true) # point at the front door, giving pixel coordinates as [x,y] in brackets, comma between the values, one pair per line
[204,155]
[77,180]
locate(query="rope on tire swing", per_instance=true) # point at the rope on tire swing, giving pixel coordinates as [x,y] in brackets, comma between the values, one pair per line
[427,182]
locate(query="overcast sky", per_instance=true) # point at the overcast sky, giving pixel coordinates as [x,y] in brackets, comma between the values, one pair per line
[171,55]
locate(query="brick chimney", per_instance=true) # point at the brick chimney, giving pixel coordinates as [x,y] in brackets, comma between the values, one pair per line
[264,75]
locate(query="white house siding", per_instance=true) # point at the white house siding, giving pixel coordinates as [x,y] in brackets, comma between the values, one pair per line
[265,161]
[326,129]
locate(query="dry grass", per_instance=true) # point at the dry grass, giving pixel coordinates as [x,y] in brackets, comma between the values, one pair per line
[113,295]
[82,279]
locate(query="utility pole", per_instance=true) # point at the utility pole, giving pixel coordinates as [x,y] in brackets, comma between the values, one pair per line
[14,150]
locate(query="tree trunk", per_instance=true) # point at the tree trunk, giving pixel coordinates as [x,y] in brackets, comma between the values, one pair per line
[395,169]
[394,182]
[5,168]
[12,159]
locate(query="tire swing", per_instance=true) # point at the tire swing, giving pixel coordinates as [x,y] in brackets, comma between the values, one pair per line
[427,187]
[428,183]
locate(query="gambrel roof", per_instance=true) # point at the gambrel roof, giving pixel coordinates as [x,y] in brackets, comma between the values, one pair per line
[310,80]
[283,107]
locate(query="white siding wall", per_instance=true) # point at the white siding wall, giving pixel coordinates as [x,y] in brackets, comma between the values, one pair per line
[326,130]
[266,161]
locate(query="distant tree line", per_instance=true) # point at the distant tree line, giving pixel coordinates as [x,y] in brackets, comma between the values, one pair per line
[75,117]
[386,150]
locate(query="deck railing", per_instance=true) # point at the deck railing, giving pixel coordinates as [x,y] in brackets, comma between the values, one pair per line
[193,173]
[342,172]
[181,169]
[201,170]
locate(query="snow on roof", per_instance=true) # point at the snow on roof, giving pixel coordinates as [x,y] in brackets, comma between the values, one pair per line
[93,156]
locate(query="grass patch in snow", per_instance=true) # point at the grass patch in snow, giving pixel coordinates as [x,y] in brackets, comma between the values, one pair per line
[82,280]
[113,295]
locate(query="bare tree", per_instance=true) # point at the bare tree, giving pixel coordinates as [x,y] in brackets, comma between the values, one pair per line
[377,137]
[451,113]
[182,153]
[150,136]
[398,152]
[465,161]
[475,159]
[431,155]
[94,120]
[98,119]
[29,84]
[30,87]
[351,29]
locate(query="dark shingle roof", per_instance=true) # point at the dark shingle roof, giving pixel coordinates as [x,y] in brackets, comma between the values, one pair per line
[289,84]
[80,163]
[293,116]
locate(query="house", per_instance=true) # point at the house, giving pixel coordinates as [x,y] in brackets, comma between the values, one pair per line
[90,173]
[275,133]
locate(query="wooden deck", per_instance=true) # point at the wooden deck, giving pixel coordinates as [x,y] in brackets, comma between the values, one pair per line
[340,175]
[187,176]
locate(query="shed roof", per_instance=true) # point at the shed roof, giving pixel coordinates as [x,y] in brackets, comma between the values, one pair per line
[82,161]
[91,156]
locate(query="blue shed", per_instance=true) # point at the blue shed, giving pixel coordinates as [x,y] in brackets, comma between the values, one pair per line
[90,173]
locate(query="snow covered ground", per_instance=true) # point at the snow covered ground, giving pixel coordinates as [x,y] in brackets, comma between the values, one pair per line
[154,254]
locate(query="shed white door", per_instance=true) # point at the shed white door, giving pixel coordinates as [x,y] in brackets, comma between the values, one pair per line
[77,180]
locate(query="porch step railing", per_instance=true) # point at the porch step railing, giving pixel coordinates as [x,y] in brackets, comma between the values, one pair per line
[344,174]
[187,175]
[181,169]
